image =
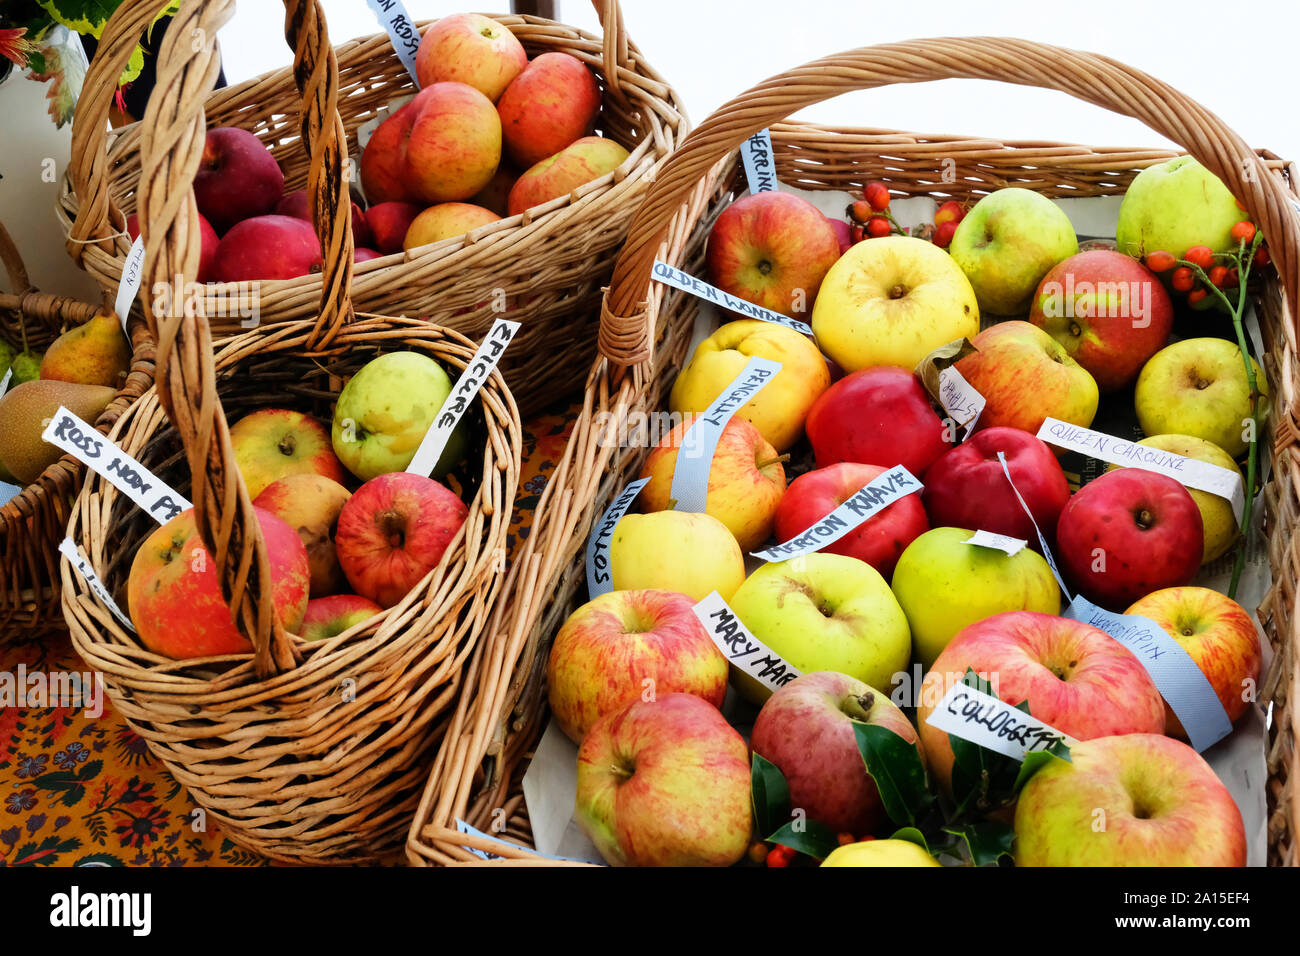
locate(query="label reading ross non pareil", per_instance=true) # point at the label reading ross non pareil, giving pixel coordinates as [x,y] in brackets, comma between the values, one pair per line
[471,380]
[959,398]
[759,162]
[600,578]
[83,567]
[80,440]
[993,724]
[132,276]
[877,495]
[1001,542]
[401,31]
[690,485]
[740,647]
[686,282]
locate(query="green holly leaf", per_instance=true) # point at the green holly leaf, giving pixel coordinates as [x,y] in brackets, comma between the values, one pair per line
[808,837]
[895,766]
[770,792]
[912,835]
[986,842]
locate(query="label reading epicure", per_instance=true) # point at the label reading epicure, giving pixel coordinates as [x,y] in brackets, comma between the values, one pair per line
[993,724]
[740,647]
[600,578]
[760,164]
[686,282]
[402,31]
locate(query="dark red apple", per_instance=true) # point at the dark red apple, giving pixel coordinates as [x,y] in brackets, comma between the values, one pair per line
[389,222]
[296,204]
[267,247]
[207,246]
[364,255]
[330,616]
[238,178]
[842,233]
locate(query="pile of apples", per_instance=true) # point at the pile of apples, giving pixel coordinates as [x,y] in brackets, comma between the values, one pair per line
[884,620]
[339,553]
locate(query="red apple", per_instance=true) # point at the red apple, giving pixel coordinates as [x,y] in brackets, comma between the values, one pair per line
[842,233]
[237,179]
[297,205]
[330,616]
[364,255]
[267,247]
[272,443]
[496,194]
[389,223]
[446,220]
[454,145]
[207,245]
[311,504]
[383,161]
[579,163]
[470,48]
[552,103]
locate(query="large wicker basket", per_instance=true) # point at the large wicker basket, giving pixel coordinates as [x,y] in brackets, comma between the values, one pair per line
[642,340]
[309,752]
[551,262]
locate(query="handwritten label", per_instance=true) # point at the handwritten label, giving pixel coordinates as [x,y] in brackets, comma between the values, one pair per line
[690,487]
[960,400]
[1180,682]
[877,495]
[1047,551]
[401,29]
[993,724]
[80,440]
[463,827]
[4,382]
[132,276]
[1200,475]
[759,162]
[740,647]
[471,380]
[83,567]
[1001,542]
[599,575]
[686,282]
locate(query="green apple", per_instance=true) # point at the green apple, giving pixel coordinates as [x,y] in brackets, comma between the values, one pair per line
[824,612]
[693,554]
[943,584]
[1198,387]
[880,853]
[1006,244]
[384,411]
[1174,206]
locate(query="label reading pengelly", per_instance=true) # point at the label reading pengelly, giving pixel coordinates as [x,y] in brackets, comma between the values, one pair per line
[69,550]
[686,282]
[993,724]
[600,577]
[402,31]
[759,162]
[740,647]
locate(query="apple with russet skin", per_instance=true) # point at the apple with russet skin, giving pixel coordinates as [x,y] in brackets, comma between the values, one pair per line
[893,301]
[552,103]
[806,729]
[473,49]
[393,531]
[576,165]
[692,554]
[273,443]
[208,241]
[454,145]
[1026,376]
[1128,533]
[773,249]
[779,410]
[310,504]
[1076,678]
[1174,206]
[389,222]
[333,614]
[880,853]
[879,541]
[624,645]
[444,221]
[297,205]
[237,178]
[1008,241]
[267,247]
[1163,806]
[746,480]
[665,783]
[1219,636]
[383,160]
[174,596]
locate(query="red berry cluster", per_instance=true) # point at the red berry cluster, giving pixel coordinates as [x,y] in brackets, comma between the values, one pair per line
[1200,261]
[946,219]
[869,217]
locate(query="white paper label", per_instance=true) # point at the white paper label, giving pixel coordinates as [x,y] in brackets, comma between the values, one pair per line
[686,282]
[960,400]
[4,382]
[68,432]
[472,379]
[83,567]
[132,276]
[740,647]
[463,827]
[600,577]
[759,162]
[1001,542]
[401,31]
[875,496]
[8,492]
[1047,551]
[690,485]
[993,724]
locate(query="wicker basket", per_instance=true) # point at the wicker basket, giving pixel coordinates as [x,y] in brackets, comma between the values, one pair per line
[551,261]
[642,333]
[308,752]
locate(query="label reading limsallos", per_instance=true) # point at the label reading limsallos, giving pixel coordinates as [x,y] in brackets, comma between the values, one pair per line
[1200,475]
[132,276]
[83,567]
[472,379]
[1001,542]
[80,440]
[686,282]
[959,398]
[759,161]
[690,486]
[600,578]
[401,31]
[877,495]
[993,724]
[1181,683]
[1047,551]
[740,647]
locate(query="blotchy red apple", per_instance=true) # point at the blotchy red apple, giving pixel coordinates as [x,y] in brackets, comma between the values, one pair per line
[389,223]
[454,144]
[237,179]
[298,205]
[267,247]
[552,103]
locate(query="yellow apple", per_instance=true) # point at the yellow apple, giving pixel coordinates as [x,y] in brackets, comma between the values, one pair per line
[880,853]
[676,551]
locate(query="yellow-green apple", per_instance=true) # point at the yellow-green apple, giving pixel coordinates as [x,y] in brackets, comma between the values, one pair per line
[454,144]
[496,194]
[393,531]
[208,241]
[1175,206]
[237,178]
[552,103]
[877,416]
[692,554]
[879,540]
[824,612]
[383,161]
[444,221]
[310,504]
[298,205]
[267,247]
[1075,677]
[1136,800]
[626,645]
[944,585]
[967,487]
[389,223]
[880,853]
[773,249]
[333,614]
[892,301]
[1108,311]
[1008,241]
[174,597]
[746,480]
[1219,636]
[1128,533]
[778,411]
[665,783]
[273,443]
[806,730]
[1026,376]
[470,48]
[561,173]
[385,410]
[1199,387]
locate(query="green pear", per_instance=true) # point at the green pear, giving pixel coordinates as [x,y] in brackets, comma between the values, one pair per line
[6,357]
[26,409]
[93,353]
[26,366]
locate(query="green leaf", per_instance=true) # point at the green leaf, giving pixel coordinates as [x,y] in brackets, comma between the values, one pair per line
[986,842]
[911,835]
[771,794]
[895,766]
[811,838]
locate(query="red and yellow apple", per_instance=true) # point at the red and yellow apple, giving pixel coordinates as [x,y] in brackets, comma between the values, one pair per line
[692,554]
[444,221]
[272,443]
[454,144]
[473,49]
[311,503]
[383,161]
[560,174]
[333,614]
[552,103]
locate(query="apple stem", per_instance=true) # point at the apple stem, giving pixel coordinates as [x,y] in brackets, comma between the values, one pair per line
[779,459]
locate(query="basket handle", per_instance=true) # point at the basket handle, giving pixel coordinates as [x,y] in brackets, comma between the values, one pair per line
[614,43]
[626,334]
[171,147]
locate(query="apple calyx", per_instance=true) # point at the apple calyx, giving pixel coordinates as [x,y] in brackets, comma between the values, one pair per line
[1144,519]
[622,772]
[393,525]
[898,291]
[858,707]
[764,267]
[287,445]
